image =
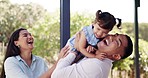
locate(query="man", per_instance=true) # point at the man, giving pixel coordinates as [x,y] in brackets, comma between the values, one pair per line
[116,47]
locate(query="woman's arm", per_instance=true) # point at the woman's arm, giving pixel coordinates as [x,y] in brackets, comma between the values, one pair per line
[49,72]
[62,54]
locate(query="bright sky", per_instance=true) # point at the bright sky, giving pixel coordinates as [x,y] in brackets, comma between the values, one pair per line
[123,9]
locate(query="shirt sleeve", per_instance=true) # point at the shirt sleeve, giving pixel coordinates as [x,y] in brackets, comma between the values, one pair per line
[12,70]
[89,68]
[64,67]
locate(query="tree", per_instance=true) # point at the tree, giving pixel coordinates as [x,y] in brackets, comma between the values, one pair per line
[14,16]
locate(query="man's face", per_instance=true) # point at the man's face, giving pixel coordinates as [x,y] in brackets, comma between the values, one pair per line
[113,44]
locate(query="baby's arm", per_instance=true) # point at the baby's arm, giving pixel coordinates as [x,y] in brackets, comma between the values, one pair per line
[88,51]
[82,46]
[99,55]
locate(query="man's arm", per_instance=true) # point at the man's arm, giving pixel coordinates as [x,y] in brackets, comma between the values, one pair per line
[86,68]
[62,68]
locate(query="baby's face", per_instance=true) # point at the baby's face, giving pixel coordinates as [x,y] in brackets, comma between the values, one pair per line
[99,32]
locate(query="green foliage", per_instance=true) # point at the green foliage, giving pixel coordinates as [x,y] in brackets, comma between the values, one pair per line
[37,20]
[47,37]
[143,27]
[129,28]
[143,52]
[78,21]
[123,64]
[14,16]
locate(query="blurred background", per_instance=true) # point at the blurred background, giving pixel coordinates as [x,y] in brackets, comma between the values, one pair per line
[42,19]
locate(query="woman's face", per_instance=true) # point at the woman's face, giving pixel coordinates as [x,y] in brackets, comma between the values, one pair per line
[25,41]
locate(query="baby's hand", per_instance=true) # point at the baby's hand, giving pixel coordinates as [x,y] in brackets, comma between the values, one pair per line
[101,56]
[90,49]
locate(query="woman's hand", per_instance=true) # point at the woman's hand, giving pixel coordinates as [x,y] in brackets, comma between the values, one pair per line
[63,52]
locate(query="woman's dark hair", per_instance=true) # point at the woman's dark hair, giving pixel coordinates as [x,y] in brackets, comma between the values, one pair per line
[107,20]
[12,49]
[129,49]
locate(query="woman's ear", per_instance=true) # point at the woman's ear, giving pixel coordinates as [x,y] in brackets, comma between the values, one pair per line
[116,56]
[15,42]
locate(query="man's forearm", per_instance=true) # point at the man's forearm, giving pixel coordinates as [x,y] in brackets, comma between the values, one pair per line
[63,66]
[66,61]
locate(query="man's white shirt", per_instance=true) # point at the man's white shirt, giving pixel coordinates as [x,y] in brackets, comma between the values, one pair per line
[86,68]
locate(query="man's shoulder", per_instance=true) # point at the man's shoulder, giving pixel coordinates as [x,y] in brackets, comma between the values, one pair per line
[96,60]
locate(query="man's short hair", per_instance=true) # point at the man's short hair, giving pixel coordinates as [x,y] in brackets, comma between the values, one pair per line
[129,49]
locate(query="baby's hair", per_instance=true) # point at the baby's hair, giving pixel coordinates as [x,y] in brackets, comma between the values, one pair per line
[107,20]
[119,23]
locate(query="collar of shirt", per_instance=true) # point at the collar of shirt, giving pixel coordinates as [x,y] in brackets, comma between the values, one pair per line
[20,59]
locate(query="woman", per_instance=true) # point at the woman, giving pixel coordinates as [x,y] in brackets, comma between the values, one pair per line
[19,62]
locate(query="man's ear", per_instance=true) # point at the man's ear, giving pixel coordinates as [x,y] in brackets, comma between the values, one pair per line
[116,56]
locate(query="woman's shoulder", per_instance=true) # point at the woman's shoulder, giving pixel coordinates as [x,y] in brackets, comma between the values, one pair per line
[10,60]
